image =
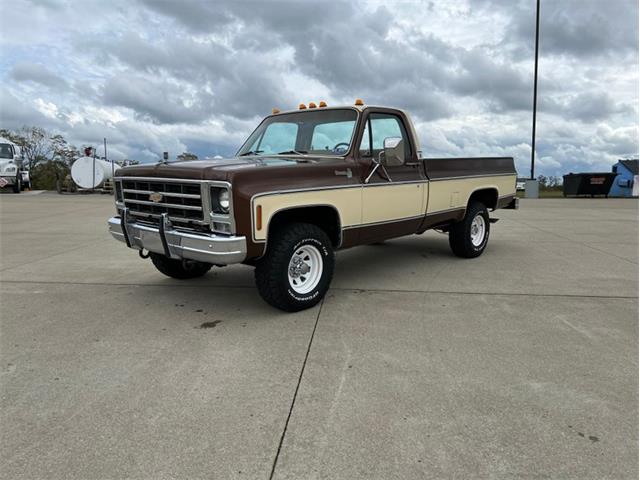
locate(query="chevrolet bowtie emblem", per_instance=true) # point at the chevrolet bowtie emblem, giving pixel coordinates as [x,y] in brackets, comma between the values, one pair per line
[155,197]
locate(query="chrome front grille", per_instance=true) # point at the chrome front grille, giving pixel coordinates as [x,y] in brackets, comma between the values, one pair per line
[150,198]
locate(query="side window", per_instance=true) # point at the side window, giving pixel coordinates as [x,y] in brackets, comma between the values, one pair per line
[384,126]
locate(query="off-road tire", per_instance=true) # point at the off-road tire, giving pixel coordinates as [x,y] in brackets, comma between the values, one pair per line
[460,232]
[17,187]
[271,271]
[182,270]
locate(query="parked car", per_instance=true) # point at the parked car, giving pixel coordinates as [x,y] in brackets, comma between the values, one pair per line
[305,183]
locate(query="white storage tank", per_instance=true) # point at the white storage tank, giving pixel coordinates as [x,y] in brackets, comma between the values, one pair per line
[85,176]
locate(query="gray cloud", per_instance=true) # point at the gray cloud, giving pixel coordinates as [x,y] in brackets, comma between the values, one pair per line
[587,28]
[35,72]
[15,113]
[576,28]
[157,100]
[593,106]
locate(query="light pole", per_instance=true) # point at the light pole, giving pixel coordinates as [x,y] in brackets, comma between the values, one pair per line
[535,91]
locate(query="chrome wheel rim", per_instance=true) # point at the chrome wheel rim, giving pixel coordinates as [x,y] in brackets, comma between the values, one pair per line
[305,269]
[478,228]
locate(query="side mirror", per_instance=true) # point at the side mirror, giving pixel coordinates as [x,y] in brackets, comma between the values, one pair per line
[393,152]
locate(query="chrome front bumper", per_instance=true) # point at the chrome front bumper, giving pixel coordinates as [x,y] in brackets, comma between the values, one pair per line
[10,180]
[209,248]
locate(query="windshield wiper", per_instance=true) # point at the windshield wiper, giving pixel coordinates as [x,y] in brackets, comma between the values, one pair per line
[289,152]
[250,152]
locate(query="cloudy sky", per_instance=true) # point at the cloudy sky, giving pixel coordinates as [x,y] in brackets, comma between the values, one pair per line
[156,75]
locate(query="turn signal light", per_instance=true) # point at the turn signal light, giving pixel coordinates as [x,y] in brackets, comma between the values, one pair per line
[312,105]
[322,104]
[359,102]
[259,217]
[275,110]
[302,106]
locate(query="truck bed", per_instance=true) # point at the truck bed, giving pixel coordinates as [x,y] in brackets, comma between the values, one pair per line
[446,168]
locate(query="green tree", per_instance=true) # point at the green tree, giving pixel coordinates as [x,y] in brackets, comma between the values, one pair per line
[63,151]
[187,156]
[542,180]
[36,145]
[48,156]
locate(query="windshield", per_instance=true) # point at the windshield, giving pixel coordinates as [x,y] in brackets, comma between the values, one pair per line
[6,151]
[316,132]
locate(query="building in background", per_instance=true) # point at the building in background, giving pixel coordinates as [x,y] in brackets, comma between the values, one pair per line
[626,181]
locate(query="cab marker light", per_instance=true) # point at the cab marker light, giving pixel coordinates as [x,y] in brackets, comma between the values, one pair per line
[359,102]
[312,105]
[322,104]
[259,217]
[274,111]
[302,106]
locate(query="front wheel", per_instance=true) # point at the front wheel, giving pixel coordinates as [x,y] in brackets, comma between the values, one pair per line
[17,186]
[468,238]
[180,269]
[297,269]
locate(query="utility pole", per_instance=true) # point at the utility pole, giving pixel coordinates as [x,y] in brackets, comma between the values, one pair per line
[535,91]
[93,180]
[105,158]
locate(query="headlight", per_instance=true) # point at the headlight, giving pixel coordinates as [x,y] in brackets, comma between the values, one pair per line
[220,200]
[223,200]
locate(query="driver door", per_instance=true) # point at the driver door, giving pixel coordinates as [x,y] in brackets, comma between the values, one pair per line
[391,206]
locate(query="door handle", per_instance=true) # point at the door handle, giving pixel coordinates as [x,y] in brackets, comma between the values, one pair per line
[347,173]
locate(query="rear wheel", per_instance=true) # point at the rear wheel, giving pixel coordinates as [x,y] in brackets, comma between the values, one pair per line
[468,238]
[180,269]
[297,269]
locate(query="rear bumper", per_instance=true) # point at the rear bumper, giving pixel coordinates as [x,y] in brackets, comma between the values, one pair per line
[209,248]
[513,204]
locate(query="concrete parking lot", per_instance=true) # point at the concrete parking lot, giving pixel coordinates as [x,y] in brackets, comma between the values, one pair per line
[418,364]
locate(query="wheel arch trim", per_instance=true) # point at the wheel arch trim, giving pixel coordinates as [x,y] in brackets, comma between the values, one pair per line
[484,188]
[267,225]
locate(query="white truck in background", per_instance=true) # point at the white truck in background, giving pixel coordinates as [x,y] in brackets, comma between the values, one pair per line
[12,172]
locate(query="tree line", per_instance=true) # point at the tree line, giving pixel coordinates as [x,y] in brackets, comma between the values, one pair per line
[550,182]
[49,156]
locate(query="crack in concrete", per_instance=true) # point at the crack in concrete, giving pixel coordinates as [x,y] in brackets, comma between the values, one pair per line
[295,394]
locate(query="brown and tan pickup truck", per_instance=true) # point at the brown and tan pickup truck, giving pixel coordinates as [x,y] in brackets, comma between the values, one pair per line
[306,183]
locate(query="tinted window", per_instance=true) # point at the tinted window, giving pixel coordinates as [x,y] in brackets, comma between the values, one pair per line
[383,126]
[332,137]
[320,131]
[278,137]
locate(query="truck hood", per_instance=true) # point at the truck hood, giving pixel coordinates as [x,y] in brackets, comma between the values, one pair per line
[215,169]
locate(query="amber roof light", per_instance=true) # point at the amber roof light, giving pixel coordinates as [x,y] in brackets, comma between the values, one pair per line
[322,104]
[275,110]
[312,105]
[302,106]
[359,102]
